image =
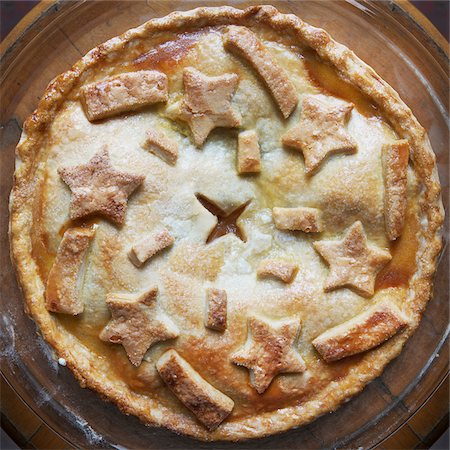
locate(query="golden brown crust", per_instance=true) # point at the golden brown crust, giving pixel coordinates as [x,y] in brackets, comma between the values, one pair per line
[304,219]
[86,368]
[216,309]
[209,405]
[361,333]
[244,43]
[283,270]
[61,294]
[394,158]
[124,92]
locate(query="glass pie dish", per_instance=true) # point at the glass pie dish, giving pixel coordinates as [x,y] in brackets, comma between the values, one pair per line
[380,33]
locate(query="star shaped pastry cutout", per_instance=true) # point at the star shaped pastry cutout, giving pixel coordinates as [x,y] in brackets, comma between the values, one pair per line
[137,323]
[353,263]
[269,351]
[206,103]
[321,131]
[99,188]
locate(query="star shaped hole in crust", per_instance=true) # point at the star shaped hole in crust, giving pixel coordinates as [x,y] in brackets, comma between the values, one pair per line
[321,131]
[137,323]
[206,103]
[269,351]
[226,222]
[99,188]
[353,263]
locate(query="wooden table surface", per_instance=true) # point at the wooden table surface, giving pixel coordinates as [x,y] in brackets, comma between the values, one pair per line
[29,431]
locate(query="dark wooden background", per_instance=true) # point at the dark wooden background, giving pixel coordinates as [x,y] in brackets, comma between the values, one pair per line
[437,11]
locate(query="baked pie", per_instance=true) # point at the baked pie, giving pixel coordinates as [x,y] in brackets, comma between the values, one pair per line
[225,222]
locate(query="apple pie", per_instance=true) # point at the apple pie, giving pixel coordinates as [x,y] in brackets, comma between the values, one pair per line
[225,222]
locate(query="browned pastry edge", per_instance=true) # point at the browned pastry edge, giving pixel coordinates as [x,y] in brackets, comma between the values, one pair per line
[349,68]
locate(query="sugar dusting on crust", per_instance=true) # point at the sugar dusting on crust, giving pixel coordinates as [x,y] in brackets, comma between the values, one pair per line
[363,332]
[124,92]
[358,73]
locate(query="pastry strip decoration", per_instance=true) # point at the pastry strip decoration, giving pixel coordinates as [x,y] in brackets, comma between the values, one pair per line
[269,351]
[137,323]
[321,131]
[99,188]
[249,154]
[394,158]
[353,263]
[149,246]
[206,103]
[210,406]
[245,44]
[216,309]
[308,220]
[124,92]
[273,268]
[62,294]
[160,145]
[361,333]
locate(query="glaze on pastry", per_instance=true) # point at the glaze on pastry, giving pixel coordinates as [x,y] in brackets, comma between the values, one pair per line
[221,220]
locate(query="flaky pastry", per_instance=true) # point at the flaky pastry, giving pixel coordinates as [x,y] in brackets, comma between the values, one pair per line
[282,227]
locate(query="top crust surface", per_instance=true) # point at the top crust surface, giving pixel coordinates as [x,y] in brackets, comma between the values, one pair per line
[190,264]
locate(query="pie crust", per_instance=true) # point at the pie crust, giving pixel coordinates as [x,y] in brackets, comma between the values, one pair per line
[196,219]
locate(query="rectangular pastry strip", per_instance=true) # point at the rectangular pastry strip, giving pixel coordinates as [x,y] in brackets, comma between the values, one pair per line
[216,309]
[363,332]
[283,270]
[209,405]
[124,92]
[244,43]
[249,154]
[162,146]
[308,220]
[62,292]
[149,246]
[394,158]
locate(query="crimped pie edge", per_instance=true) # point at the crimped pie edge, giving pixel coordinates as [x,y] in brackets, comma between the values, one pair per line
[351,69]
